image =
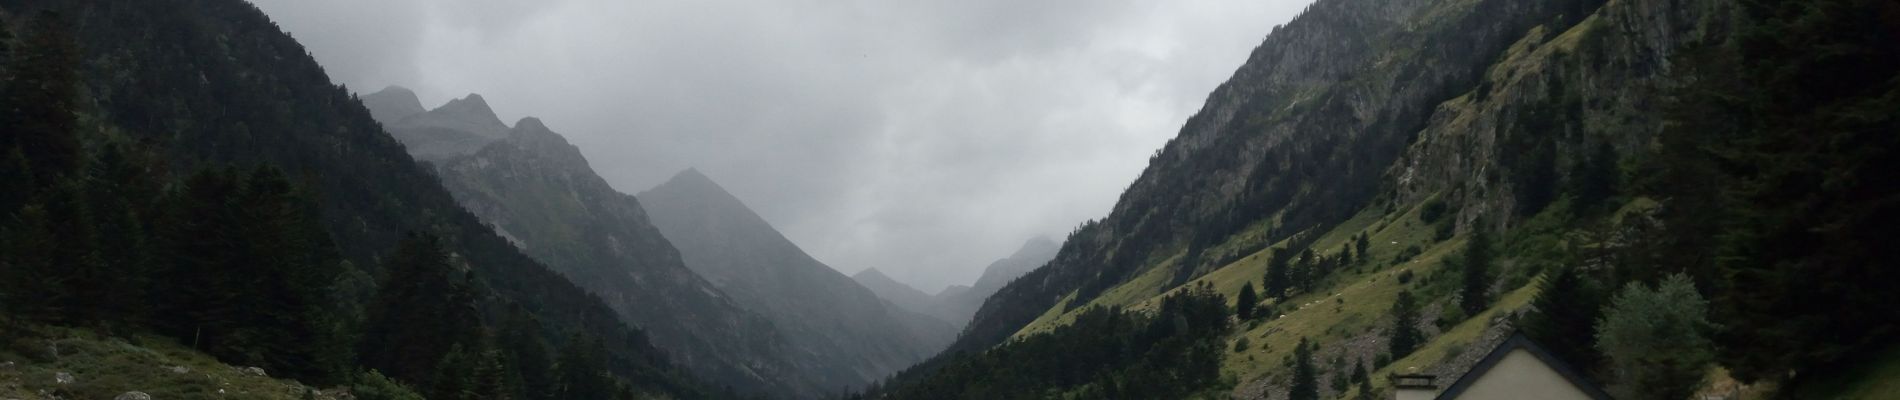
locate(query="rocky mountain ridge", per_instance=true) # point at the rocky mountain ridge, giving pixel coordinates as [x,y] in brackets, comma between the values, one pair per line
[538,191]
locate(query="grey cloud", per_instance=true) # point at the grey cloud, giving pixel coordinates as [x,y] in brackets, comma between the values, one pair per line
[925,138]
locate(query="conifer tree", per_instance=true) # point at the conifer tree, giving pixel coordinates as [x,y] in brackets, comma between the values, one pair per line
[455,376]
[1246,301]
[580,373]
[120,195]
[1405,334]
[1363,244]
[421,310]
[201,246]
[1475,295]
[1567,303]
[531,366]
[1277,281]
[1305,384]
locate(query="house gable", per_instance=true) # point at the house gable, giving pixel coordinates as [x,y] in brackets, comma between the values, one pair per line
[1517,368]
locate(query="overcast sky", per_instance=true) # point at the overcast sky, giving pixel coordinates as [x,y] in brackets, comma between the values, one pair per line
[925,138]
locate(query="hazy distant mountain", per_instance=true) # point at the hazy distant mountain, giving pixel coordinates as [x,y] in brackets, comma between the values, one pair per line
[461,127]
[392,104]
[898,293]
[842,328]
[955,304]
[538,191]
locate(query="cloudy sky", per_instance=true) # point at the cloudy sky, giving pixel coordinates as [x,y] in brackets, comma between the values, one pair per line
[925,138]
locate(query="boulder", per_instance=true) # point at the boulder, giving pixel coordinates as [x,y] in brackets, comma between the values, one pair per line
[255,371]
[133,395]
[62,378]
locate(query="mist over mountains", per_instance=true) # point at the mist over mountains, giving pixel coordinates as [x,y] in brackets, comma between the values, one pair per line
[1390,198]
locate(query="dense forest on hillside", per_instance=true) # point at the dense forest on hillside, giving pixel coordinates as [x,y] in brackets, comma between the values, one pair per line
[184,169]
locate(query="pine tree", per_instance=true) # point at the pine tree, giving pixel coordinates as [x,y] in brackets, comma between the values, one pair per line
[580,373]
[1363,245]
[121,194]
[202,245]
[293,265]
[1246,302]
[531,367]
[1305,384]
[1359,372]
[1476,293]
[1405,334]
[1277,281]
[419,313]
[1567,302]
[455,376]
[493,379]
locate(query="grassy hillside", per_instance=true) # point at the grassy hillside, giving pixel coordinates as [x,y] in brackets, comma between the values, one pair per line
[103,367]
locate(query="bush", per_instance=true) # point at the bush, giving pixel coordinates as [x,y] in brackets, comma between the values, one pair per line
[373,385]
[1242,344]
[1405,277]
[1432,211]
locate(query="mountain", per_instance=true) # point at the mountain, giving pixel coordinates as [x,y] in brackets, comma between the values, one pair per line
[460,127]
[1444,162]
[849,335]
[539,192]
[1300,139]
[392,104]
[961,305]
[898,293]
[955,304]
[210,83]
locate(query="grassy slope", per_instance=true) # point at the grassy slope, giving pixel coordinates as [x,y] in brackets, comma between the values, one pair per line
[104,367]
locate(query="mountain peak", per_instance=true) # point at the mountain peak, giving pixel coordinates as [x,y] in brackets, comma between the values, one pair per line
[692,180]
[871,273]
[392,103]
[531,124]
[472,105]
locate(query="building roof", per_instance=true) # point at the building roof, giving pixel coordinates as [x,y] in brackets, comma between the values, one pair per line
[1519,341]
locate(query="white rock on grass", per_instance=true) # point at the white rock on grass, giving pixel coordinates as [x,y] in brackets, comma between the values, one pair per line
[62,378]
[133,395]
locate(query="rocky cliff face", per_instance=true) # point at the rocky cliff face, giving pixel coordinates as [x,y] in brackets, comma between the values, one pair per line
[1545,106]
[539,192]
[841,331]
